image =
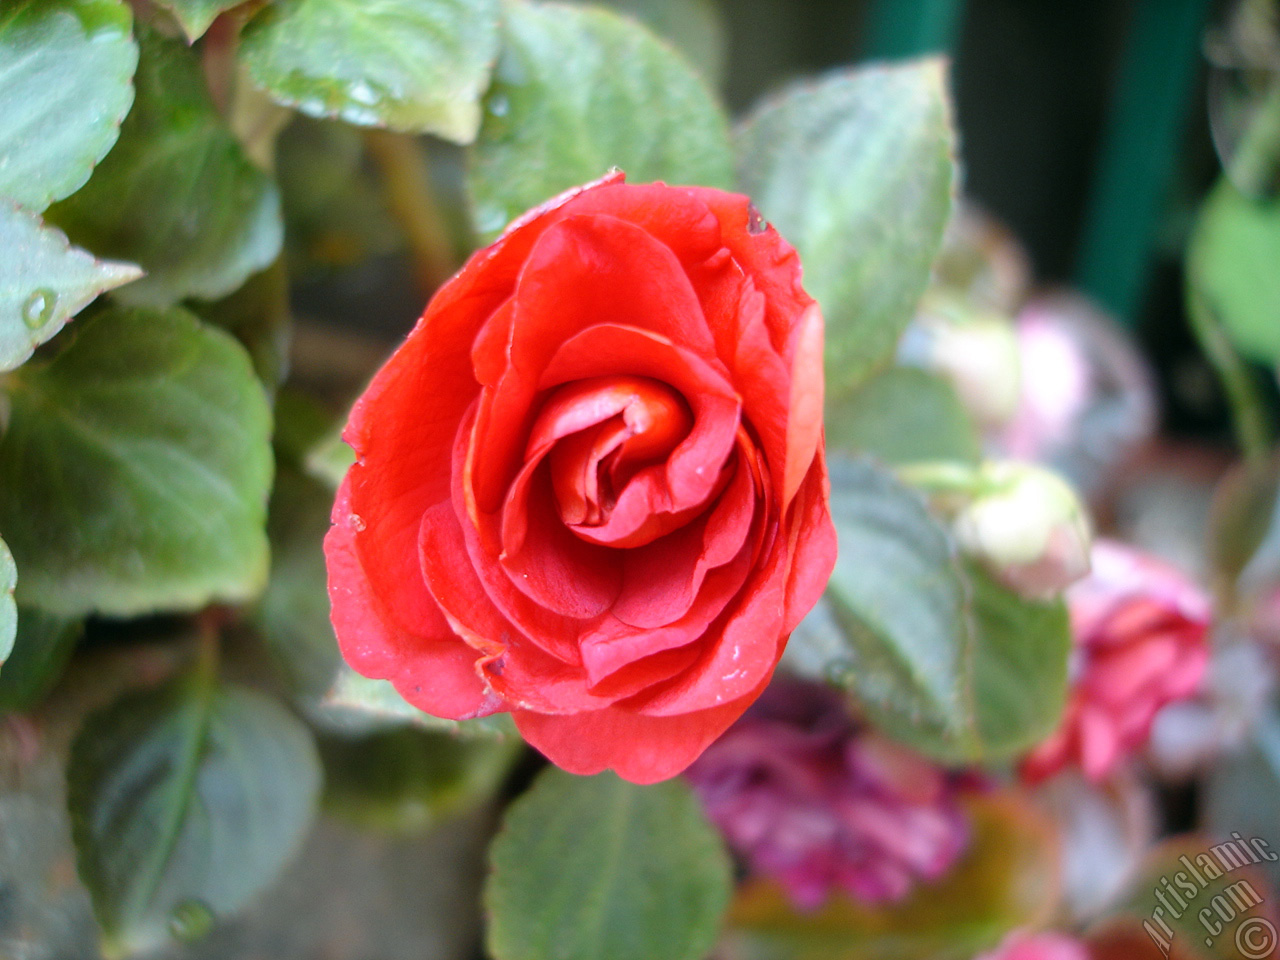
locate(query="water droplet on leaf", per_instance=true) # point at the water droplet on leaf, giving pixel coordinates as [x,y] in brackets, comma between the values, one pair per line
[191,920]
[39,308]
[362,93]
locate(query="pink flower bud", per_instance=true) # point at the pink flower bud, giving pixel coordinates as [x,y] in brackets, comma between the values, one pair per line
[1028,527]
[1139,628]
[808,798]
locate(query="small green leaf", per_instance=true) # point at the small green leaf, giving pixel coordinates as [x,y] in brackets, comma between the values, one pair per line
[407,780]
[1008,878]
[330,459]
[186,803]
[595,868]
[177,194]
[903,415]
[152,438]
[940,657]
[8,608]
[66,67]
[44,282]
[857,171]
[577,91]
[43,645]
[1232,265]
[411,65]
[196,15]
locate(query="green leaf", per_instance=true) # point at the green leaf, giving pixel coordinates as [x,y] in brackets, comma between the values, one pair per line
[595,868]
[258,315]
[408,780]
[151,436]
[903,415]
[8,608]
[44,282]
[1019,668]
[940,657]
[43,645]
[330,459]
[695,27]
[186,803]
[857,171]
[411,65]
[578,91]
[1008,878]
[65,67]
[196,15]
[1232,265]
[1244,531]
[177,194]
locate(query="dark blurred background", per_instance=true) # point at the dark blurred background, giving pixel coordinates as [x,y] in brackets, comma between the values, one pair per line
[1084,127]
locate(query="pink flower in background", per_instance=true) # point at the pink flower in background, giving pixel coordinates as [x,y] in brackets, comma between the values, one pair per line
[1055,387]
[1038,946]
[810,799]
[1139,627]
[1086,399]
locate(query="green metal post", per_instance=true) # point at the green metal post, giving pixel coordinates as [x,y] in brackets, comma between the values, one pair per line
[1139,154]
[908,28]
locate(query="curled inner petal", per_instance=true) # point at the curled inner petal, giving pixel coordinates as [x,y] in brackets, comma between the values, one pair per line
[622,424]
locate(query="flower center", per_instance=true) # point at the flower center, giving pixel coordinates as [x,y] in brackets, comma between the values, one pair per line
[628,423]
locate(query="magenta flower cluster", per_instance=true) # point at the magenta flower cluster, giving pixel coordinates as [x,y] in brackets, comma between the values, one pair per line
[810,798]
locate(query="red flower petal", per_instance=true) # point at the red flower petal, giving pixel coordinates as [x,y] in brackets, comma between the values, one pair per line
[434,671]
[582,270]
[642,749]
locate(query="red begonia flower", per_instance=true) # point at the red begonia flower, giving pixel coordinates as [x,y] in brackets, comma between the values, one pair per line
[589,487]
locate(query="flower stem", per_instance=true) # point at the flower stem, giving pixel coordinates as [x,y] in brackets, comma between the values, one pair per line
[1248,409]
[941,476]
[407,187]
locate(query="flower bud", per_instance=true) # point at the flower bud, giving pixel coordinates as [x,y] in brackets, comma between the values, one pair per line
[1029,528]
[1087,399]
[977,350]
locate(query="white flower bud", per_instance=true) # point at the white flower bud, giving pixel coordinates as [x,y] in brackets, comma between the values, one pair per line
[976,350]
[1028,527]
